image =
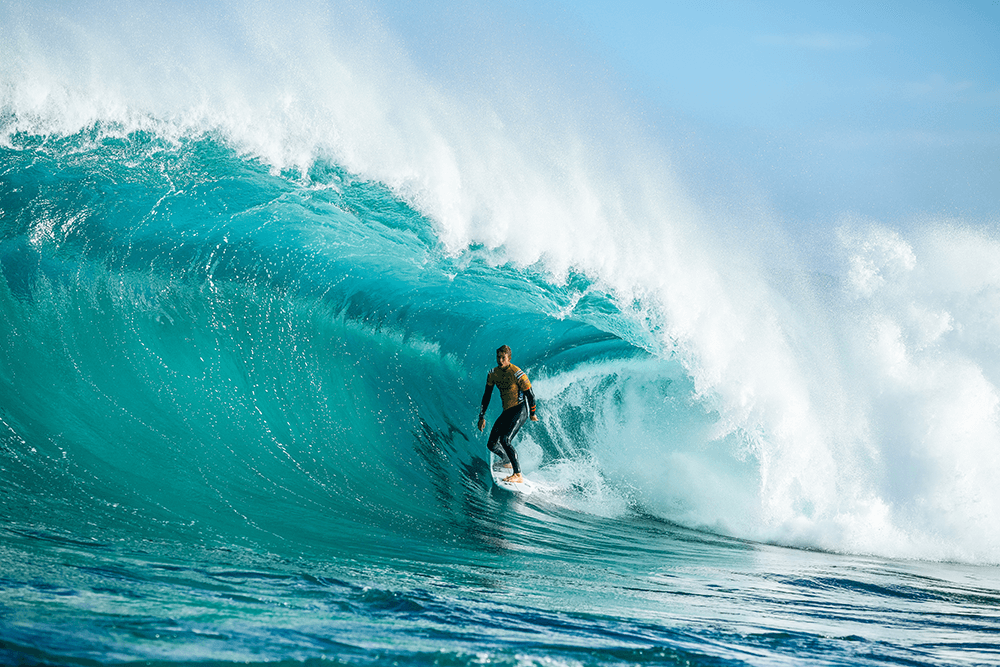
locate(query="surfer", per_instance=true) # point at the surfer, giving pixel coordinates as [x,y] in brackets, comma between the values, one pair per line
[518,401]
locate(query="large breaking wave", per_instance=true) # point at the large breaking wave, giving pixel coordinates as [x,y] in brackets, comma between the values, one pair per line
[252,285]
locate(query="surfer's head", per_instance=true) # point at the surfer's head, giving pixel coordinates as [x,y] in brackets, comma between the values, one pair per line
[503,356]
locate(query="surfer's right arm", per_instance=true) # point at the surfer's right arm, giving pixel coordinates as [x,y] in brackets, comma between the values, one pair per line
[485,404]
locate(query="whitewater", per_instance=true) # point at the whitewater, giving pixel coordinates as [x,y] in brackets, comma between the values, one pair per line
[254,265]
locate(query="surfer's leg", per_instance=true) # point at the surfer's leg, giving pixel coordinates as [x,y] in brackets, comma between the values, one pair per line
[511,456]
[500,427]
[518,416]
[504,460]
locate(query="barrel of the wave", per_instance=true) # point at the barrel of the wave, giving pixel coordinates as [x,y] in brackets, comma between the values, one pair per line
[518,403]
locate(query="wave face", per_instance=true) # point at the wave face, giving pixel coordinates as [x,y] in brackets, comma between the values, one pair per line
[253,269]
[193,336]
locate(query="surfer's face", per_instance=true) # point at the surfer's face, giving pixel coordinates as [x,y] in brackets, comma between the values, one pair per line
[503,360]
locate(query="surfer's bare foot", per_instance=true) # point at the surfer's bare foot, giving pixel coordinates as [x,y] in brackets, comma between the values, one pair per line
[516,477]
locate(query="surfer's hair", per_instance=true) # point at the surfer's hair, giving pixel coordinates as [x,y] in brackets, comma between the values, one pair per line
[504,349]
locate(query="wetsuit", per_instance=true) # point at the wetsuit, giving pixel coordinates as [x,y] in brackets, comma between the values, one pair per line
[514,389]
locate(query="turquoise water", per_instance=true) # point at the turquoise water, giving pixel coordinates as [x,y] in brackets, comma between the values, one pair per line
[238,426]
[242,362]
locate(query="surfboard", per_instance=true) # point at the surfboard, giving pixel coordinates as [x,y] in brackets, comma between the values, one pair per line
[497,469]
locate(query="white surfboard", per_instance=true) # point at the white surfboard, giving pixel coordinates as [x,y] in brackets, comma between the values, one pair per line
[498,471]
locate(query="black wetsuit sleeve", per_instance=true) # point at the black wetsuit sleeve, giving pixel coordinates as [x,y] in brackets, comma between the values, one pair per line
[530,396]
[486,399]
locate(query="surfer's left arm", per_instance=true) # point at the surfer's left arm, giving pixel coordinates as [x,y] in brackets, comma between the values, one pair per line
[524,384]
[530,397]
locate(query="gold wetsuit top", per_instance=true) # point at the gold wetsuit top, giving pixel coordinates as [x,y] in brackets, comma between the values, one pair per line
[511,381]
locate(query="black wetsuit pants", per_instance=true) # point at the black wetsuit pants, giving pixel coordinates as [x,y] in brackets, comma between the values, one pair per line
[504,429]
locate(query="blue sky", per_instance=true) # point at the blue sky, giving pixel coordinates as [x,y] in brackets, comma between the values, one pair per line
[889,110]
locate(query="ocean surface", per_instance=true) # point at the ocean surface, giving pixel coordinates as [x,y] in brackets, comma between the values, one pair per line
[254,267]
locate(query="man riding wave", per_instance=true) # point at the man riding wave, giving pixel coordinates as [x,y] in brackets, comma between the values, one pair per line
[518,403]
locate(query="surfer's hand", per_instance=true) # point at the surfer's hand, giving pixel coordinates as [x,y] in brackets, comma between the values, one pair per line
[482,423]
[534,418]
